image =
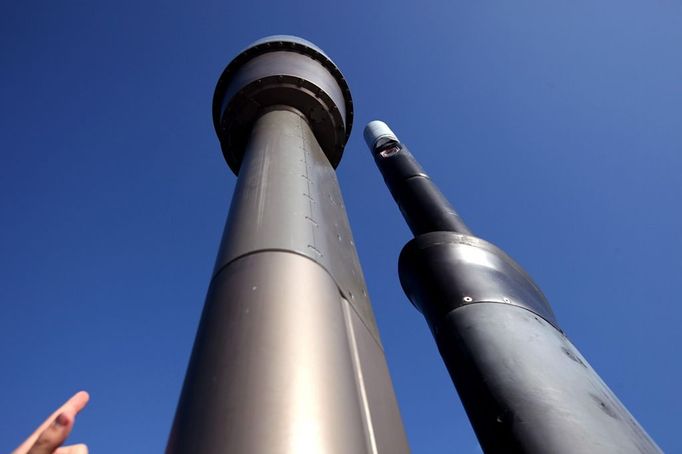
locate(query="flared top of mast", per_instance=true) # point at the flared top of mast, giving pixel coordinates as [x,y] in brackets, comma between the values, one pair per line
[282,70]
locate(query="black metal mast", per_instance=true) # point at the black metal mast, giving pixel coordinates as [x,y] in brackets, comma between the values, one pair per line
[525,387]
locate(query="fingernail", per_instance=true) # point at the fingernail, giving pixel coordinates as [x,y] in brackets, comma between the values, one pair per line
[62,420]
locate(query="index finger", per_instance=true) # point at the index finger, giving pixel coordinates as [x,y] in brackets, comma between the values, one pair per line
[77,402]
[74,405]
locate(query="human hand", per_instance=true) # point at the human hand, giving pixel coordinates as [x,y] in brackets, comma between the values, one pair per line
[49,436]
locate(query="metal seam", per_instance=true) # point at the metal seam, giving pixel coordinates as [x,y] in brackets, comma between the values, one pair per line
[362,319]
[360,381]
[553,325]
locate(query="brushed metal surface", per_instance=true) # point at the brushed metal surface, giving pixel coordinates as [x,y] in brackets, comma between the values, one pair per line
[288,198]
[376,391]
[271,370]
[526,388]
[287,357]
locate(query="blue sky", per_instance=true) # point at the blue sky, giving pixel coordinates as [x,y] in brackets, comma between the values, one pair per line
[552,126]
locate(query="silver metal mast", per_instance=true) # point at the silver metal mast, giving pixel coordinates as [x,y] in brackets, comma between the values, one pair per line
[287,357]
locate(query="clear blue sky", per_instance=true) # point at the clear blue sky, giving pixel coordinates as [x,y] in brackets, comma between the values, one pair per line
[554,127]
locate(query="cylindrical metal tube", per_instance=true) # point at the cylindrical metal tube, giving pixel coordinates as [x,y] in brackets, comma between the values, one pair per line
[524,386]
[287,357]
[424,207]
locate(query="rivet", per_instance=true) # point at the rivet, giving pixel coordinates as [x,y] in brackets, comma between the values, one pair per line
[467,299]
